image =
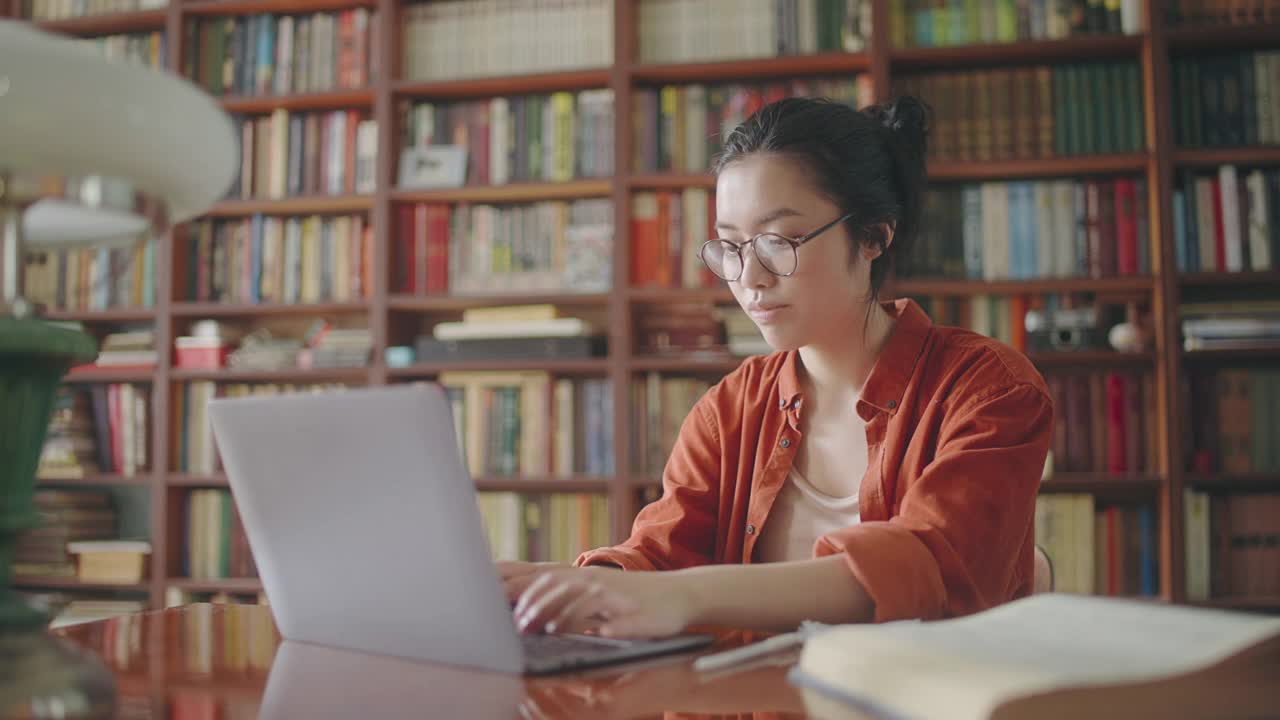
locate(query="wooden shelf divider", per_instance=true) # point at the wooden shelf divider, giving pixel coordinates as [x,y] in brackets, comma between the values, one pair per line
[304,205]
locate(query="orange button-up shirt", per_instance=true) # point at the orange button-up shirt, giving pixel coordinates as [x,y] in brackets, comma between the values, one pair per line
[957,430]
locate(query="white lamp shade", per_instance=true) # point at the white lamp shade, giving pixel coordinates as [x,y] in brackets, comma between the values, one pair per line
[53,223]
[66,111]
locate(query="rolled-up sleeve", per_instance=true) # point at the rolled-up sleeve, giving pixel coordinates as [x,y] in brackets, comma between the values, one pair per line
[959,539]
[677,530]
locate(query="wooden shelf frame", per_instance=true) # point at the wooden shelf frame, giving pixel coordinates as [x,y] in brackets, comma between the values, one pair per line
[1151,49]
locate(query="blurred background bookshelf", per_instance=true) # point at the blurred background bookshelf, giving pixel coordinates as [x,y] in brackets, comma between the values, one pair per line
[1092,163]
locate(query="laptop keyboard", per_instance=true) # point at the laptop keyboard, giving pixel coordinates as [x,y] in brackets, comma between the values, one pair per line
[542,647]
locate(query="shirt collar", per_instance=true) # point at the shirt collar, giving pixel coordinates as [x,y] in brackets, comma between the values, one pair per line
[893,369]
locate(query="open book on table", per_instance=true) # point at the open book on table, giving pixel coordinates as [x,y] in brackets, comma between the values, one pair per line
[1049,656]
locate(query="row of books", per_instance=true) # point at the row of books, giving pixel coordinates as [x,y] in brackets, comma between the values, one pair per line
[469,38]
[528,424]
[703,30]
[279,260]
[1236,421]
[925,23]
[66,516]
[311,153]
[1032,229]
[555,527]
[487,249]
[1028,112]
[1232,545]
[523,138]
[150,49]
[99,429]
[1178,13]
[1227,221]
[91,278]
[1226,100]
[65,9]
[668,229]
[194,450]
[1106,421]
[659,406]
[680,128]
[1103,551]
[280,55]
[214,545]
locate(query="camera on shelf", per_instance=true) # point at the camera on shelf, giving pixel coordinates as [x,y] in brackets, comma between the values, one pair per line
[1064,330]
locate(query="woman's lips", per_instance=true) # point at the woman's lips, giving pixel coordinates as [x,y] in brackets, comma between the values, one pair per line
[766,313]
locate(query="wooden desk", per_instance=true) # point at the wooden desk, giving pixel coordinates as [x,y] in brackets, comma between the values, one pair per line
[228,661]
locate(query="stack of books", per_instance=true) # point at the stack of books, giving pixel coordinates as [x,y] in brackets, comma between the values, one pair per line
[511,332]
[1254,324]
[329,347]
[66,516]
[133,349]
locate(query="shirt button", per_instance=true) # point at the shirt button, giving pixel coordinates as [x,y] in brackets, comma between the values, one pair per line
[751,529]
[893,404]
[786,442]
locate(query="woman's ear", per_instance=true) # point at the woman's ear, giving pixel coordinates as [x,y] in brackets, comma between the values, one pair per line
[879,238]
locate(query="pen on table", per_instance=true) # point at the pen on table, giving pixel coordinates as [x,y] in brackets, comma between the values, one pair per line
[737,656]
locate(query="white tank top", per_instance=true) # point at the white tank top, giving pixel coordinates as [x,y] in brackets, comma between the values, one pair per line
[799,516]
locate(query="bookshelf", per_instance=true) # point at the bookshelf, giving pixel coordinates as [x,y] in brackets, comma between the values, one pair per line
[386,308]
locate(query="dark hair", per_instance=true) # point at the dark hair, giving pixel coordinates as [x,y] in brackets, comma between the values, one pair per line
[870,163]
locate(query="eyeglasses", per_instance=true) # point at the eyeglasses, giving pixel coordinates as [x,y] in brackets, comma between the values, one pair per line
[776,253]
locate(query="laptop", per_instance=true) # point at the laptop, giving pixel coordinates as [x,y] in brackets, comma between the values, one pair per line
[365,528]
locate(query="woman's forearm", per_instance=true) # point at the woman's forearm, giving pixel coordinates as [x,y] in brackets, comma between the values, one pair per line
[776,596]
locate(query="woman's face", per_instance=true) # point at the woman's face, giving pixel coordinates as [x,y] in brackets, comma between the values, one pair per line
[824,300]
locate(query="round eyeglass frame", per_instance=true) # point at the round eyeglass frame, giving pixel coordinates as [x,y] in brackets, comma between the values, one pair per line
[742,263]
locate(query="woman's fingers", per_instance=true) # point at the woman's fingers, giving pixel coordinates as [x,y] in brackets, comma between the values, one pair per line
[543,600]
[578,615]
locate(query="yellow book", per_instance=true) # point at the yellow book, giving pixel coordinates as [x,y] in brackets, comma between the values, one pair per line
[511,313]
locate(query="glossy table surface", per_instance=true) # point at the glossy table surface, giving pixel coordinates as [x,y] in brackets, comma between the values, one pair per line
[229,662]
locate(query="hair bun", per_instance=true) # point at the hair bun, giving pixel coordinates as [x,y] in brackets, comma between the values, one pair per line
[906,115]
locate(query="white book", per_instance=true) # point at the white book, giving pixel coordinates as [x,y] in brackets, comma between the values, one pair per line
[557,327]
[499,135]
[1196,534]
[1230,197]
[1132,21]
[1064,262]
[1049,655]
[1045,220]
[990,231]
[1259,222]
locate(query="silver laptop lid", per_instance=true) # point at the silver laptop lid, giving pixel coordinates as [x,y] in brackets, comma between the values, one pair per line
[364,526]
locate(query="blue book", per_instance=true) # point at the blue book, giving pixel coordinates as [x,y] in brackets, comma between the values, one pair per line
[1147,552]
[1180,230]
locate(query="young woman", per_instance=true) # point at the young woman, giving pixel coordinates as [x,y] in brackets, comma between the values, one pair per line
[877,467]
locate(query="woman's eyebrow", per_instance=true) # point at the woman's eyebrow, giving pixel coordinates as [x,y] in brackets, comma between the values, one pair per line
[763,219]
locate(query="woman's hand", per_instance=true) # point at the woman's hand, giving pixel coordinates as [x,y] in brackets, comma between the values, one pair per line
[609,602]
[518,575]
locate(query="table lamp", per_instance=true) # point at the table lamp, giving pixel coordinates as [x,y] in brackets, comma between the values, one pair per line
[92,153]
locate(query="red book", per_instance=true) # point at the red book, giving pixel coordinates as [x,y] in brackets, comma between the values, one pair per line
[1126,227]
[1117,430]
[1219,243]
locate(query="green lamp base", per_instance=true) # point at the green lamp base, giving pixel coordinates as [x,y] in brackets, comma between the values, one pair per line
[43,676]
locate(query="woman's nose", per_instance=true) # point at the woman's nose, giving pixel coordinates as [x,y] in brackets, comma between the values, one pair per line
[754,273]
